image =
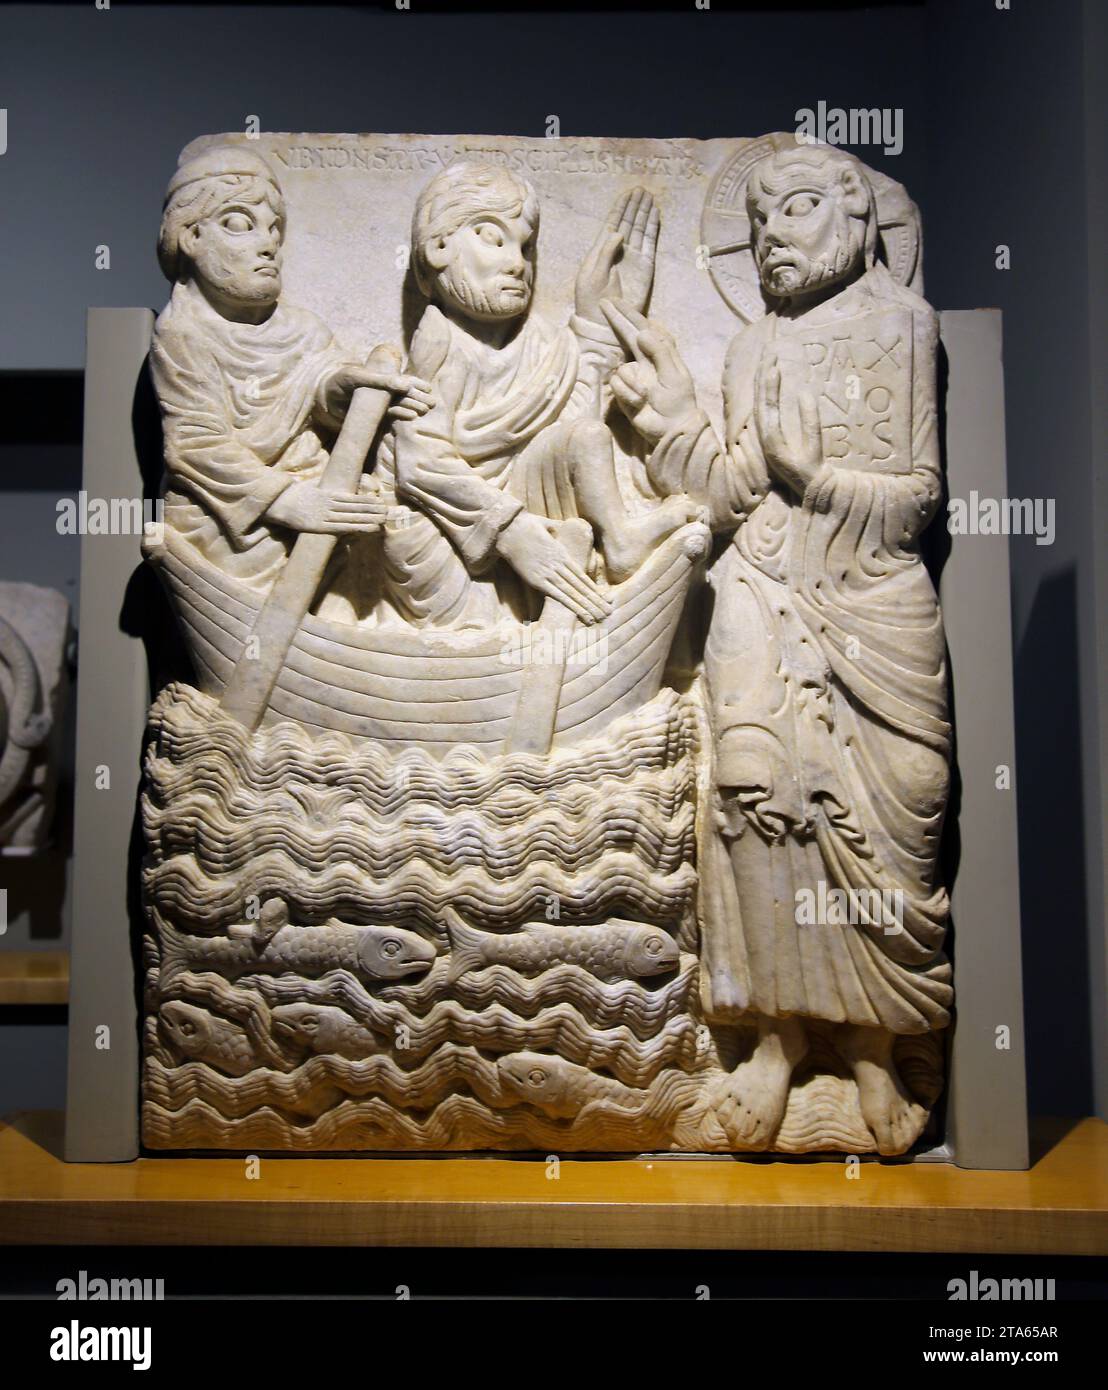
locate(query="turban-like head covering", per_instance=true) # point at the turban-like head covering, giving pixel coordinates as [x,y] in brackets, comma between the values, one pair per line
[201,186]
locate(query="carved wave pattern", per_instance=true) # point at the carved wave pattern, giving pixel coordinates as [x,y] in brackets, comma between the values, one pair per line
[335,829]
[554,1059]
[333,1103]
[343,828]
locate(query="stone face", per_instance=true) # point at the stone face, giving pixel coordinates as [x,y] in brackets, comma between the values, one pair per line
[568,755]
[34,681]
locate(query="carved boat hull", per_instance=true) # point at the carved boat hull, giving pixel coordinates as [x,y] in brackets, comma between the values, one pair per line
[436,689]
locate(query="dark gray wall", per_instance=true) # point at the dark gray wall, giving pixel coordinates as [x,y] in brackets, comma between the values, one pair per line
[100,103]
[1096,218]
[1008,164]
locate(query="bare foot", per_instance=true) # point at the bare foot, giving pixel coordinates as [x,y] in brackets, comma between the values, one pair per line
[626,547]
[894,1118]
[750,1102]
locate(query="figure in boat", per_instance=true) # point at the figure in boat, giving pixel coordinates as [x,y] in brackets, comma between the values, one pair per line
[498,430]
[252,389]
[516,440]
[478,506]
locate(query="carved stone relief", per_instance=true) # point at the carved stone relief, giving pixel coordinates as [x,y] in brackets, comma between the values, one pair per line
[567,757]
[34,680]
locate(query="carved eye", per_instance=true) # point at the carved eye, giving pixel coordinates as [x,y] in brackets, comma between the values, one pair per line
[187,1028]
[391,947]
[536,1076]
[237,222]
[801,205]
[310,1022]
[654,945]
[490,233]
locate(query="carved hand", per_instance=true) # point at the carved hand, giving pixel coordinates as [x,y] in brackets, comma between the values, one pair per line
[542,561]
[620,264]
[655,389]
[306,507]
[794,463]
[416,396]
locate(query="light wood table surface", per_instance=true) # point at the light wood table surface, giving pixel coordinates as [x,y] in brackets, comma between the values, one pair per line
[1059,1207]
[34,977]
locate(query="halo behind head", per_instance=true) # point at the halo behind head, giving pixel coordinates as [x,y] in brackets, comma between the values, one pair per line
[827,165]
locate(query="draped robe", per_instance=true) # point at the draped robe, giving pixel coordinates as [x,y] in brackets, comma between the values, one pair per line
[825,680]
[242,420]
[494,444]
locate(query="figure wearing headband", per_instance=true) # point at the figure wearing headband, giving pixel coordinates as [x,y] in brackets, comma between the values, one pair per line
[252,389]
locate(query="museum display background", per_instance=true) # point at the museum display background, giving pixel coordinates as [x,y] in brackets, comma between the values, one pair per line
[994,122]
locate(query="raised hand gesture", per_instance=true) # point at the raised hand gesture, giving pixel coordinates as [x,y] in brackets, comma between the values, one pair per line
[654,389]
[620,264]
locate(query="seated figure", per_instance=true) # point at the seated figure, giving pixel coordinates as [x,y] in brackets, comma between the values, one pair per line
[251,389]
[515,441]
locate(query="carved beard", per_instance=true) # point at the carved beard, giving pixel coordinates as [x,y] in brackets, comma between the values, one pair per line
[457,288]
[804,275]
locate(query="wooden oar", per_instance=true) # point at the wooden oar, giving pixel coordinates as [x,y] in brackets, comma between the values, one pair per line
[540,687]
[247,694]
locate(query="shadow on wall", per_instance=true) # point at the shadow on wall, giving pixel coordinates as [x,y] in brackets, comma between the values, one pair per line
[36,885]
[1052,855]
[40,453]
[935,548]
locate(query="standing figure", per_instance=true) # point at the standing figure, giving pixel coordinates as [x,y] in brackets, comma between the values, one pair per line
[824,664]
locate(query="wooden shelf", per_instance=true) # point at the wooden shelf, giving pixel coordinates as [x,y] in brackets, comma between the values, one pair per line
[1059,1207]
[34,977]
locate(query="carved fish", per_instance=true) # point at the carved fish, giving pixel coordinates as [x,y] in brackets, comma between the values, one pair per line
[326,1029]
[205,1037]
[560,1088]
[272,947]
[617,950]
